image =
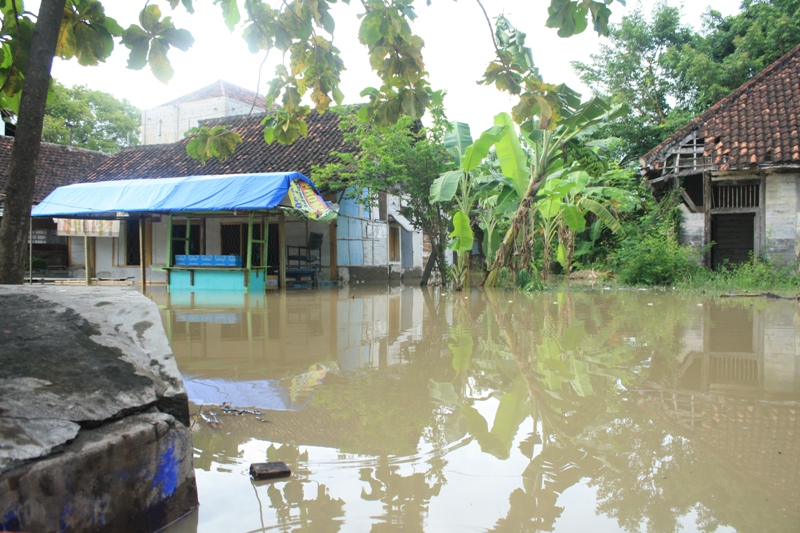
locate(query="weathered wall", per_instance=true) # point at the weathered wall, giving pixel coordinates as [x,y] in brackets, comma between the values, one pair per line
[693,228]
[93,414]
[781,218]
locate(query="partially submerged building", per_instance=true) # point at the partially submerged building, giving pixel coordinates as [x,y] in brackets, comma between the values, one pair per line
[360,245]
[737,169]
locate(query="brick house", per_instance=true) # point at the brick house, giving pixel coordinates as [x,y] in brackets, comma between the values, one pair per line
[737,169]
[58,165]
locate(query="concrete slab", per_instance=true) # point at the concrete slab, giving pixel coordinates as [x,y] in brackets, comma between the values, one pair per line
[74,362]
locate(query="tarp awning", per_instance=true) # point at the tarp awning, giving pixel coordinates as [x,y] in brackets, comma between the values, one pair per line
[234,192]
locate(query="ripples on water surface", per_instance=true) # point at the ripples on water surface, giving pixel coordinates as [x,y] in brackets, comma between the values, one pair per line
[411,410]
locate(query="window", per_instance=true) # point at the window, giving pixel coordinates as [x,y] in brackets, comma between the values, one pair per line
[394,243]
[179,240]
[132,252]
[234,241]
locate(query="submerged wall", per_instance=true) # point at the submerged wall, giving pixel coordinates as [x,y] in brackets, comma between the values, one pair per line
[94,418]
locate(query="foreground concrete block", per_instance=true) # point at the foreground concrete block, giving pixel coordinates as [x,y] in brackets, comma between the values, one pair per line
[93,414]
[132,475]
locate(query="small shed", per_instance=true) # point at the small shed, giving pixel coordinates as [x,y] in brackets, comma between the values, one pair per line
[737,169]
[189,218]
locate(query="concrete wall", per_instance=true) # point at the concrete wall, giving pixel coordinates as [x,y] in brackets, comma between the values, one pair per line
[94,419]
[781,218]
[693,228]
[167,124]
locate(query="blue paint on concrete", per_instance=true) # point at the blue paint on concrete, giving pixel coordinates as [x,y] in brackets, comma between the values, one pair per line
[167,473]
[11,520]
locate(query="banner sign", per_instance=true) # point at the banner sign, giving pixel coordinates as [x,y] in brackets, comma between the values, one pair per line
[71,227]
[306,201]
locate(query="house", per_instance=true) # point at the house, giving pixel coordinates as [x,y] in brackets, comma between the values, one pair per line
[58,165]
[169,122]
[361,245]
[737,169]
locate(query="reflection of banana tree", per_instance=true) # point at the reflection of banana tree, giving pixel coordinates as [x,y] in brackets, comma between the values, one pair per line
[405,498]
[292,508]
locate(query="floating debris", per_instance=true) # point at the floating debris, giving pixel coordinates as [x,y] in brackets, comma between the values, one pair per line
[269,470]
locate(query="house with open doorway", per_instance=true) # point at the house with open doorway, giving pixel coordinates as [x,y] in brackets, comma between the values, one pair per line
[360,245]
[737,169]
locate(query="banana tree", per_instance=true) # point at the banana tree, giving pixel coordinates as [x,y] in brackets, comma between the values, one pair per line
[465,185]
[562,206]
[548,148]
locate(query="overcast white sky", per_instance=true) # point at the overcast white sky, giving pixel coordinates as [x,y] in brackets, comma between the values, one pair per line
[457,49]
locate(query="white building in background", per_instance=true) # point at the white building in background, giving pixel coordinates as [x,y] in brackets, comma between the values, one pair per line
[169,122]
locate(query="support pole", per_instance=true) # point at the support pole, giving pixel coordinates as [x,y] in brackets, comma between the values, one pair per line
[87,268]
[142,254]
[30,251]
[282,251]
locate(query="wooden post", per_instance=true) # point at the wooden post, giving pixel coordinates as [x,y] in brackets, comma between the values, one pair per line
[142,262]
[86,265]
[334,260]
[708,205]
[169,241]
[282,251]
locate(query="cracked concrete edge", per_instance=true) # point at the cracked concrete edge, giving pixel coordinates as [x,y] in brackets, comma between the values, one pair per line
[134,474]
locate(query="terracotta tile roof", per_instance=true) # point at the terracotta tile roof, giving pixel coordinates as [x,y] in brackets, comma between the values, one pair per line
[252,155]
[221,89]
[58,165]
[757,124]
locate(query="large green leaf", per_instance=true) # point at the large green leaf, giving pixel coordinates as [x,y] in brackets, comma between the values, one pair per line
[549,207]
[513,161]
[476,152]
[462,235]
[457,139]
[573,217]
[445,186]
[603,214]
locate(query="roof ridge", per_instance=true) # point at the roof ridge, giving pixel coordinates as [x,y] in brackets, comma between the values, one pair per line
[722,103]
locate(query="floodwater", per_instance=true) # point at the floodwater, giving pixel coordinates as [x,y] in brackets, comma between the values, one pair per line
[401,409]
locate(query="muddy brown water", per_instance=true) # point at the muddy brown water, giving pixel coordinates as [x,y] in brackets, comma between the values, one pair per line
[422,410]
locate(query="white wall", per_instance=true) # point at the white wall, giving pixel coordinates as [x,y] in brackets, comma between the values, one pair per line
[168,123]
[781,212]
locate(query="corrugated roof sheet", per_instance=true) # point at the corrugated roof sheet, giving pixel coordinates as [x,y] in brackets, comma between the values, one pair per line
[221,89]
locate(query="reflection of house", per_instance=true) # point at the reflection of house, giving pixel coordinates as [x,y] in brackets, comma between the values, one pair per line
[731,347]
[363,244]
[58,165]
[736,167]
[735,391]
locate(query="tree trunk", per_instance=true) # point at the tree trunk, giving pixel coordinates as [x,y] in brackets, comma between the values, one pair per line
[28,138]
[426,274]
[503,255]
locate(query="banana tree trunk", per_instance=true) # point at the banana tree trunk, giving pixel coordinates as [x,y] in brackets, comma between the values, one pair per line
[504,253]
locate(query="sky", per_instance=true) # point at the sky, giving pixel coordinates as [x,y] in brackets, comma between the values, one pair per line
[457,49]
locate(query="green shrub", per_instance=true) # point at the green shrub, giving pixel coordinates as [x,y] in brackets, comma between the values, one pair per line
[654,260]
[38,264]
[527,282]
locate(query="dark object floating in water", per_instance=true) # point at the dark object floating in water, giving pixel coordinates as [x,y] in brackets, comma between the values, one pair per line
[269,470]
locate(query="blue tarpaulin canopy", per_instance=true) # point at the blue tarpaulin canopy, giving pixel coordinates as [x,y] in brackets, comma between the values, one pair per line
[235,192]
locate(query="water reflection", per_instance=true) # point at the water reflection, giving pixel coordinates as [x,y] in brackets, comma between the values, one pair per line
[412,410]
